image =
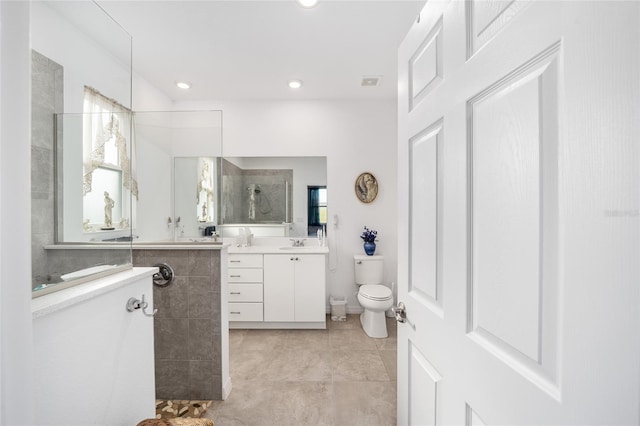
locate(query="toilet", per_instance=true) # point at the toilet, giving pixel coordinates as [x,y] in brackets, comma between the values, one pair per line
[374,297]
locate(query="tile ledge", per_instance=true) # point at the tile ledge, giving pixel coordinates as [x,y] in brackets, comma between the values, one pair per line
[53,302]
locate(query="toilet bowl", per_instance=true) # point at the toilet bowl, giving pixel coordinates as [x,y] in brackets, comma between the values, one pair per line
[374,297]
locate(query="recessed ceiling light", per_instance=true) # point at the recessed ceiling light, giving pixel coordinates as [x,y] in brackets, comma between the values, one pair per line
[183,84]
[295,84]
[307,3]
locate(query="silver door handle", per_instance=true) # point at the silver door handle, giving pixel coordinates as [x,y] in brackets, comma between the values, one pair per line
[400,311]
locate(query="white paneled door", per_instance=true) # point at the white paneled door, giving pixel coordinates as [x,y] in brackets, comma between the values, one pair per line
[518,152]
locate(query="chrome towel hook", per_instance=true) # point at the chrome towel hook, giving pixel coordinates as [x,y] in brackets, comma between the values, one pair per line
[133,304]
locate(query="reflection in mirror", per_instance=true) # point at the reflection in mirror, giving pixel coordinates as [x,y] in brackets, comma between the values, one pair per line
[316,210]
[195,195]
[78,249]
[75,44]
[93,197]
[205,189]
[257,195]
[178,167]
[109,183]
[267,196]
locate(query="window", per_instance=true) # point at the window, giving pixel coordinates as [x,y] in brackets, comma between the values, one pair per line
[316,209]
[108,181]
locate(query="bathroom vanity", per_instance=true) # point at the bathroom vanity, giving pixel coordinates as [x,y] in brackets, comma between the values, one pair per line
[277,287]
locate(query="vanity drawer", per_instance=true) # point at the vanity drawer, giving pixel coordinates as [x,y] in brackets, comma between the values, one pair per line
[244,260]
[245,311]
[244,275]
[245,292]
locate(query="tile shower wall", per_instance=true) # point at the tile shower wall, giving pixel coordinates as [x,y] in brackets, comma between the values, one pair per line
[187,327]
[46,100]
[270,201]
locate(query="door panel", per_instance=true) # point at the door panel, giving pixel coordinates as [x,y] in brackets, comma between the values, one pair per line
[424,222]
[425,66]
[512,144]
[518,193]
[423,383]
[485,19]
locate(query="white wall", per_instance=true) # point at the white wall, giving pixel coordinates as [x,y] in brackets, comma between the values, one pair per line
[16,349]
[85,60]
[355,136]
[94,362]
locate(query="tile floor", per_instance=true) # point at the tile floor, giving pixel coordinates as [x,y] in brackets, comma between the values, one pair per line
[337,376]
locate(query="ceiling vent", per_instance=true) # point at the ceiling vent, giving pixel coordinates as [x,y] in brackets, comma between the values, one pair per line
[371,81]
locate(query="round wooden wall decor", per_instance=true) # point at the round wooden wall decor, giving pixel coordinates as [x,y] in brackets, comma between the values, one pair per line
[366,187]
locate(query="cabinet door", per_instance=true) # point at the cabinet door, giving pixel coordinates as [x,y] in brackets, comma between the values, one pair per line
[279,291]
[310,288]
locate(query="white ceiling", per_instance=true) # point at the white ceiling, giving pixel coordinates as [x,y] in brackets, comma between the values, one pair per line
[238,50]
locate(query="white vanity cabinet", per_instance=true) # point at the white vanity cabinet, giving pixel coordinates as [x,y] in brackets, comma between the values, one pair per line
[294,288]
[244,275]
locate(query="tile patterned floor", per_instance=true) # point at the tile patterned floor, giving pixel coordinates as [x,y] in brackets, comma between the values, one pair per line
[338,376]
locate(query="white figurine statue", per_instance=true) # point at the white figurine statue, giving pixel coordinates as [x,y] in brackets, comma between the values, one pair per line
[108,210]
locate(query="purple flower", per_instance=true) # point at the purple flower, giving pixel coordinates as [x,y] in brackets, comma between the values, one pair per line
[369,235]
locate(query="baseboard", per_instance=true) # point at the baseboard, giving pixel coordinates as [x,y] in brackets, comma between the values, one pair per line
[320,325]
[350,309]
[354,309]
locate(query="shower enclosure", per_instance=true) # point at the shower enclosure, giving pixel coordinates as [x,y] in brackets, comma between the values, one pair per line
[255,196]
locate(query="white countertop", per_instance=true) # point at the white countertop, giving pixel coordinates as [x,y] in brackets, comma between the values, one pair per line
[164,245]
[141,245]
[258,249]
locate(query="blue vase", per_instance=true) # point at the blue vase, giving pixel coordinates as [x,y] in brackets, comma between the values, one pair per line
[369,248]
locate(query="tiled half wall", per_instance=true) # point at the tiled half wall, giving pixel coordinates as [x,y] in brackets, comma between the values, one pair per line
[187,327]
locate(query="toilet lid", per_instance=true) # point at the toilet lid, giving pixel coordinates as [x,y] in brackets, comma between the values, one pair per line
[375,292]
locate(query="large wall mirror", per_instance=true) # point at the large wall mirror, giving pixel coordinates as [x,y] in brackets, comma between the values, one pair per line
[269,196]
[233,196]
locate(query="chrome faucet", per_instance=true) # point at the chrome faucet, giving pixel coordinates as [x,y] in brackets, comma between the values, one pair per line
[297,243]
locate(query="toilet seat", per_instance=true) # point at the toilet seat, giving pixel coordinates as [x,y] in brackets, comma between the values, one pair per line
[375,292]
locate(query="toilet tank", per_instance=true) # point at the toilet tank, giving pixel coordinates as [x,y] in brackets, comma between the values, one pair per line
[369,269]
